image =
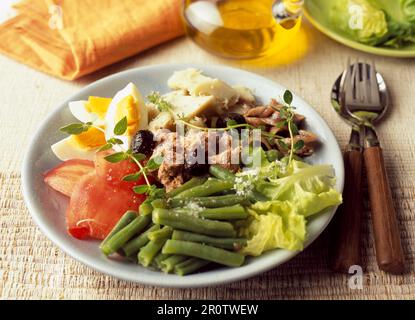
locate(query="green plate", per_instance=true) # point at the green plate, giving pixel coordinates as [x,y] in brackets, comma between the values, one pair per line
[317,12]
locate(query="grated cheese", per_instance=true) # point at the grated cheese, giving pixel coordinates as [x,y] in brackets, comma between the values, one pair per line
[194,208]
[244,181]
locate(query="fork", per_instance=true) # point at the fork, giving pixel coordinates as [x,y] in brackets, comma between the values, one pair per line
[346,229]
[363,103]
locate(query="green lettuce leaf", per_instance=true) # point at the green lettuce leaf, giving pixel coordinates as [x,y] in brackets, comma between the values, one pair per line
[273,224]
[310,189]
[388,23]
[400,16]
[346,15]
[295,191]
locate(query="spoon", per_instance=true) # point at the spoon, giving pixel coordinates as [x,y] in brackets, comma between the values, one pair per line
[389,251]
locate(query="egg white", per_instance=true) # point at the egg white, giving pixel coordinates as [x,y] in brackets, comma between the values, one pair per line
[65,149]
[80,111]
[110,117]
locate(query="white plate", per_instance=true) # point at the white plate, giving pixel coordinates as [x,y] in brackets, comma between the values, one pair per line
[47,207]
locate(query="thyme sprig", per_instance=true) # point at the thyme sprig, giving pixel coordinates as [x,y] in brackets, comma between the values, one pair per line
[287,114]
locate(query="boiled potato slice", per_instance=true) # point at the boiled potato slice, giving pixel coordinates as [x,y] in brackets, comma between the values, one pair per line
[164,120]
[244,93]
[197,84]
[188,106]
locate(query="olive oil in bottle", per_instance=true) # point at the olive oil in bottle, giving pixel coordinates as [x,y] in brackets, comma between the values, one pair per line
[242,29]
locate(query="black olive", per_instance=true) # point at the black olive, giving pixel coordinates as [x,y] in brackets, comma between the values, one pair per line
[193,168]
[222,122]
[143,142]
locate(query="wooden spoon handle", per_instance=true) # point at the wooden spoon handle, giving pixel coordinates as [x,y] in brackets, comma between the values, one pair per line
[345,245]
[388,246]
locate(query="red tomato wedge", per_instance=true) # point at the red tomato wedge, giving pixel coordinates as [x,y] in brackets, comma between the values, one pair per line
[66,175]
[113,173]
[96,207]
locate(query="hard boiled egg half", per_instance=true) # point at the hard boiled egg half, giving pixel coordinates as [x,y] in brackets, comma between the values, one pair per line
[129,103]
[104,113]
[84,145]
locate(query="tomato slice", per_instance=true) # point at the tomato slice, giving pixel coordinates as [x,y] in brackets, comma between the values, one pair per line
[79,232]
[113,173]
[96,207]
[66,175]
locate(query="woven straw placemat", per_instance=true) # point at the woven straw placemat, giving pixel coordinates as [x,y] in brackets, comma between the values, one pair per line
[32,267]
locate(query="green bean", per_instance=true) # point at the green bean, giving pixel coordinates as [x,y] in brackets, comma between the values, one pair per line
[125,234]
[208,202]
[150,250]
[235,212]
[158,203]
[255,196]
[158,259]
[194,224]
[168,264]
[189,266]
[197,250]
[132,246]
[164,232]
[211,186]
[125,219]
[225,213]
[224,243]
[221,173]
[145,208]
[195,181]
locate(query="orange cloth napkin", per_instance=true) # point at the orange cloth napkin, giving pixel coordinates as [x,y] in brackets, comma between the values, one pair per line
[71,38]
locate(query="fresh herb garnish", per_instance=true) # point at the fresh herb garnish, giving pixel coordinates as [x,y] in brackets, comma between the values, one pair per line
[117,157]
[120,127]
[288,97]
[287,115]
[298,145]
[76,128]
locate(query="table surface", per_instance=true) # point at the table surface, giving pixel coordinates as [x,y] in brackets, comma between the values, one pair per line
[32,267]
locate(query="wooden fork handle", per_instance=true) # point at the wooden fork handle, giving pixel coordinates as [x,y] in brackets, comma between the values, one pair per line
[345,245]
[388,245]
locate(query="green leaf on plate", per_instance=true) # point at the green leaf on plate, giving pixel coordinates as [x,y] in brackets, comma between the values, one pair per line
[139,156]
[132,177]
[294,128]
[121,127]
[105,147]
[116,157]
[75,128]
[115,141]
[141,189]
[288,97]
[154,163]
[298,145]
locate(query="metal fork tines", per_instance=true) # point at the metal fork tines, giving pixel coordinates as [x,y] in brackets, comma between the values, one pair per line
[361,88]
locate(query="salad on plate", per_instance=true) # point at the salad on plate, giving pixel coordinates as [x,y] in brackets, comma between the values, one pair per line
[200,176]
[386,23]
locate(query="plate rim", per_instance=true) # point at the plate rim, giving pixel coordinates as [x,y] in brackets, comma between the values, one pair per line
[386,52]
[36,213]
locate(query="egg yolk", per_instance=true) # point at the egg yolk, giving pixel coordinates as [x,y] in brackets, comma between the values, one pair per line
[98,105]
[91,139]
[127,107]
